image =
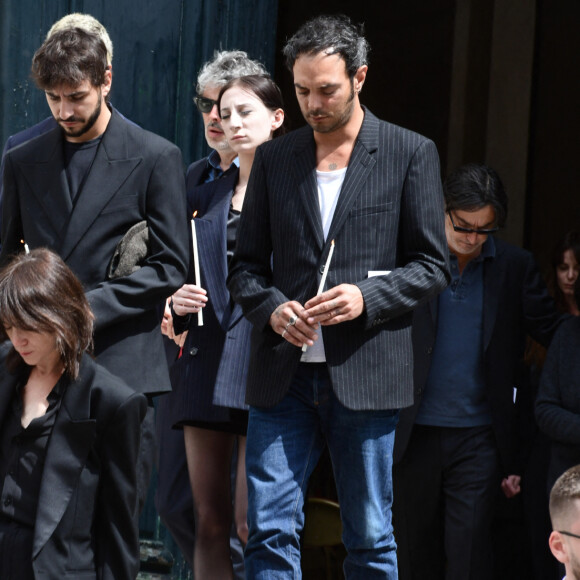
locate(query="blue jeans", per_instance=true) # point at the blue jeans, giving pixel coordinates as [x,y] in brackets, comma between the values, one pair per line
[284,445]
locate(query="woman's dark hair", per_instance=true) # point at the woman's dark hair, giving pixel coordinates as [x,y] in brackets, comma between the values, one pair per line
[40,293]
[571,241]
[264,88]
[474,186]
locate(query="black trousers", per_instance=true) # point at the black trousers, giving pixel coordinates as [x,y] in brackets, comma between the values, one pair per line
[444,491]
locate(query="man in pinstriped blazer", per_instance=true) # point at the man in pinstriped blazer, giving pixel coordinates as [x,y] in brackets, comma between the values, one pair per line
[374,189]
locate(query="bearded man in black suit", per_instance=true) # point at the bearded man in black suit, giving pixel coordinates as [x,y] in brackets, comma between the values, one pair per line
[79,188]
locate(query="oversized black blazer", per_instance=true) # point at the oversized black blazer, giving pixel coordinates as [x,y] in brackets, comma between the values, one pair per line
[86,523]
[135,176]
[214,364]
[389,216]
[515,303]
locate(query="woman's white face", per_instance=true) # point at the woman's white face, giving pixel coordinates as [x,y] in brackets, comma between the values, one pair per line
[567,272]
[34,347]
[246,121]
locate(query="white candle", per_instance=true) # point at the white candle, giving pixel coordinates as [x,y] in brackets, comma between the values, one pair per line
[323,279]
[196,265]
[26,249]
[325,271]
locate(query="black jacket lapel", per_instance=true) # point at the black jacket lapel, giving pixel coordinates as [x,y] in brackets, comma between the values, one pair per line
[305,174]
[70,443]
[359,166]
[111,164]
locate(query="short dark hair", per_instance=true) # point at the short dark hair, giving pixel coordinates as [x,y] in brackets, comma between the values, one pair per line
[563,493]
[264,88]
[70,56]
[39,292]
[334,34]
[474,186]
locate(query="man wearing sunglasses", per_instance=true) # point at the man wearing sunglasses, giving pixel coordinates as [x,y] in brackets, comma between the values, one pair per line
[458,442]
[565,515]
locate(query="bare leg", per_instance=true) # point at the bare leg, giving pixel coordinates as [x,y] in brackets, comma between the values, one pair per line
[241,493]
[209,455]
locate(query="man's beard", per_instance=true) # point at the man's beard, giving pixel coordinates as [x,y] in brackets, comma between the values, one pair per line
[338,122]
[89,124]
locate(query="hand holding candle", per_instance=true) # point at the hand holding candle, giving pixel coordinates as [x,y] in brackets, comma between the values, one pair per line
[196,264]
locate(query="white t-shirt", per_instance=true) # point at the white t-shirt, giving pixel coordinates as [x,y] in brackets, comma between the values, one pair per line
[329,186]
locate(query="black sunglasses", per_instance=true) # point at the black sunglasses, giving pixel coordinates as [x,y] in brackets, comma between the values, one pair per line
[204,104]
[462,230]
[569,534]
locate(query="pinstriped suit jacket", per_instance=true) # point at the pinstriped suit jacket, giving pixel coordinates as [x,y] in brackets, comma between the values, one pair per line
[389,216]
[215,357]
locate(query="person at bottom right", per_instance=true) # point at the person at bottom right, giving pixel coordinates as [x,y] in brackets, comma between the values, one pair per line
[565,515]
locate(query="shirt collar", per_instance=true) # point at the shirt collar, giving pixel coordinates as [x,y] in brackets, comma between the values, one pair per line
[214,161]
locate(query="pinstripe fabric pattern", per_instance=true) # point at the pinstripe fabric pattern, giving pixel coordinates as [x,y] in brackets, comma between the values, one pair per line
[389,216]
[212,370]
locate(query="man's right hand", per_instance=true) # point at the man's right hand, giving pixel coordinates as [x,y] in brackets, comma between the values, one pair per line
[189,299]
[289,321]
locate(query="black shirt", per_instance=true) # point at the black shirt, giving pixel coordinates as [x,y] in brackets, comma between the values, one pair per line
[78,160]
[22,455]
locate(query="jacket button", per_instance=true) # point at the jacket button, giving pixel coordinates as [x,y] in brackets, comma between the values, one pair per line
[321,270]
[8,501]
[193,351]
[429,350]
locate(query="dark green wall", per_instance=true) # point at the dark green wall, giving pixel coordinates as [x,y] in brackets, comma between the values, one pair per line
[159,47]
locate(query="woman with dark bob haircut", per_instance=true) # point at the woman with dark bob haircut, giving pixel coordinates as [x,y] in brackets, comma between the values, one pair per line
[69,434]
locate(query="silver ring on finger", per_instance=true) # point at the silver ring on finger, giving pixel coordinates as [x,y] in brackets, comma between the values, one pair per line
[284,332]
[292,320]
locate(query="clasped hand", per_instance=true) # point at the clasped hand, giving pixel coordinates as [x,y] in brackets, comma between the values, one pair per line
[298,324]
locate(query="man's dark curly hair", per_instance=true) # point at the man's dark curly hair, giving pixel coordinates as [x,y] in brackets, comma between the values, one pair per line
[334,34]
[474,186]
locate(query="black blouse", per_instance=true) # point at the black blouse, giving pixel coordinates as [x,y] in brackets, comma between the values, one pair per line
[22,455]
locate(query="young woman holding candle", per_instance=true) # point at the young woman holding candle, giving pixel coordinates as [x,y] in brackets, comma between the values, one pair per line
[209,377]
